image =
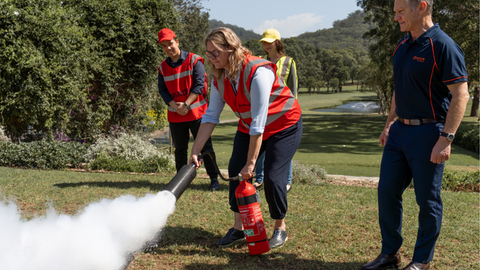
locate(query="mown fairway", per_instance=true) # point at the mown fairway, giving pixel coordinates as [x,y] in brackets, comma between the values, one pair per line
[330,226]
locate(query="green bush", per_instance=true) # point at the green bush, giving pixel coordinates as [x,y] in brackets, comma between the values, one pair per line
[154,164]
[128,153]
[44,154]
[78,66]
[468,136]
[453,181]
[308,175]
[461,182]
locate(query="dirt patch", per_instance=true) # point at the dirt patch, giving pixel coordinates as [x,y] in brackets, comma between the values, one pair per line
[359,181]
[342,180]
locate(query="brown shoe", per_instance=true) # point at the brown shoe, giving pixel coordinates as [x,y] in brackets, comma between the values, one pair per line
[384,261]
[417,266]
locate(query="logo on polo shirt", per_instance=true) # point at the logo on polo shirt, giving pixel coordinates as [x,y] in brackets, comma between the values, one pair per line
[419,59]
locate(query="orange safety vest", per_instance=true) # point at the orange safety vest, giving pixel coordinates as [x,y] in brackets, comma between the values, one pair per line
[283,109]
[179,81]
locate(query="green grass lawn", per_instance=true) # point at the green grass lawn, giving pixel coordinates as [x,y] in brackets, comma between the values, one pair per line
[329,226]
[342,143]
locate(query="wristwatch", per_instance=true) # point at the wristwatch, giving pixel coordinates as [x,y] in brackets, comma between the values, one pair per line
[449,136]
[186,105]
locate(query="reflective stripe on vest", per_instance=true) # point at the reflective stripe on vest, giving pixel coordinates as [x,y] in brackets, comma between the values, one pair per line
[246,75]
[183,80]
[286,64]
[193,106]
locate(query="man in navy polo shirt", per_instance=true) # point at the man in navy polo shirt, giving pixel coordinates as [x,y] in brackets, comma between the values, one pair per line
[428,104]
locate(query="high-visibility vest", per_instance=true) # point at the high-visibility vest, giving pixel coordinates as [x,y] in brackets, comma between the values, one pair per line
[179,81]
[283,108]
[284,64]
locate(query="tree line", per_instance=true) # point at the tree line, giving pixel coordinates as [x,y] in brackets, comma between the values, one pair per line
[76,69]
[328,57]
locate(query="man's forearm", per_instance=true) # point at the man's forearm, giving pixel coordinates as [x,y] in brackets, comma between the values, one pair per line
[457,107]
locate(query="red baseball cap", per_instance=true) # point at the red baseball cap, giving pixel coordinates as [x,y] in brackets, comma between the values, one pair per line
[165,34]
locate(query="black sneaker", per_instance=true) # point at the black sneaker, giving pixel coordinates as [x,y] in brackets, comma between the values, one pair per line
[233,236]
[214,185]
[279,238]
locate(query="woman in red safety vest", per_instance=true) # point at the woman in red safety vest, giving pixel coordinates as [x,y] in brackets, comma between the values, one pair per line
[270,121]
[182,83]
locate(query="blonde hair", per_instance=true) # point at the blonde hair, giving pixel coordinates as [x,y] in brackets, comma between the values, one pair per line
[226,40]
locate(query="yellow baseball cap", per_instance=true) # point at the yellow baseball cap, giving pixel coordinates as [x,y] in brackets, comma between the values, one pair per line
[270,35]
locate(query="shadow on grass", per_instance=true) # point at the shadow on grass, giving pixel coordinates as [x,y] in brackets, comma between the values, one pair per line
[238,257]
[152,186]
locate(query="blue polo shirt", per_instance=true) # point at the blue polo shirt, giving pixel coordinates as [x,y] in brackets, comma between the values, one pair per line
[422,70]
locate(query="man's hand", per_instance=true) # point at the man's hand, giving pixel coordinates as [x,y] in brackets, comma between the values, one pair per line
[441,151]
[383,137]
[181,109]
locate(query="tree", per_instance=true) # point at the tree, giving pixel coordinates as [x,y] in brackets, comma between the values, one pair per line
[193,25]
[79,67]
[460,20]
[255,47]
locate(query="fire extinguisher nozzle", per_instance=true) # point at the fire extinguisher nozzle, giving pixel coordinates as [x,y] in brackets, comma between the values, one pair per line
[181,180]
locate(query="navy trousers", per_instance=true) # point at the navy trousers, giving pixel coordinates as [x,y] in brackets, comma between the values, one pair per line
[406,155]
[279,150]
[181,136]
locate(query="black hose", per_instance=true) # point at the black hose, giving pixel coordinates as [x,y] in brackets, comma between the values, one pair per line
[212,157]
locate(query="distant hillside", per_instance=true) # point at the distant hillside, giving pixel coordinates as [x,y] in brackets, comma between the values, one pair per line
[244,35]
[345,33]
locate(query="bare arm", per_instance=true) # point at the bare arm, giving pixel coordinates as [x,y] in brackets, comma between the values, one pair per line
[204,132]
[460,96]
[392,116]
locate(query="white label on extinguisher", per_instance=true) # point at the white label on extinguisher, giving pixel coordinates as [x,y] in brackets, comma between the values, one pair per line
[252,219]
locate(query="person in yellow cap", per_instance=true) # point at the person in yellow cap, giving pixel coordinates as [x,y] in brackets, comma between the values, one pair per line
[287,73]
[182,84]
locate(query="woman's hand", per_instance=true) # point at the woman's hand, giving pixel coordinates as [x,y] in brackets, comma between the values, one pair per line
[247,171]
[194,159]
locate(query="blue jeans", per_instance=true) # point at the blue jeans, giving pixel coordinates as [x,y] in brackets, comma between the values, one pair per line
[259,170]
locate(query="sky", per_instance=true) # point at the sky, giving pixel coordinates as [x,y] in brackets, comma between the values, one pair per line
[290,17]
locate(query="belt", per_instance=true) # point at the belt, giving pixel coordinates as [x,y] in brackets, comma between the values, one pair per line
[418,122]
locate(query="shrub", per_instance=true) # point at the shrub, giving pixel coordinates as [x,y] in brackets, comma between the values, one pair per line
[468,136]
[127,152]
[44,154]
[461,182]
[154,164]
[79,66]
[308,175]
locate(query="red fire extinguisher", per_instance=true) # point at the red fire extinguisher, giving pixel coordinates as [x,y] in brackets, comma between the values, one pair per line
[252,220]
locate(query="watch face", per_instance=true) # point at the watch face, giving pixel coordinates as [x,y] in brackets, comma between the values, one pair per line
[450,137]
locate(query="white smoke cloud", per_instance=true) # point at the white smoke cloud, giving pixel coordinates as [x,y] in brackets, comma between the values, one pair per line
[292,26]
[100,238]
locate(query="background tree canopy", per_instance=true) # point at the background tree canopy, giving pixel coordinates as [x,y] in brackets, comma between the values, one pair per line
[459,19]
[326,56]
[80,68]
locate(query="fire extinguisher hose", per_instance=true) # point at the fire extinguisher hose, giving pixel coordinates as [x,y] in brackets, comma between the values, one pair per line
[212,157]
